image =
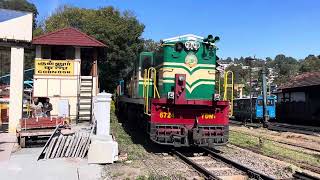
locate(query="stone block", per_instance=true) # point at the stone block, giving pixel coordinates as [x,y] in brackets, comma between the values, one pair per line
[102,152]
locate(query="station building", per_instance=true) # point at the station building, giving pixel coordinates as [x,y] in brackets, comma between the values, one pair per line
[299,100]
[66,72]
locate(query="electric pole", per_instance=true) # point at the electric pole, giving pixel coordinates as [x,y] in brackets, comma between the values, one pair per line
[264,94]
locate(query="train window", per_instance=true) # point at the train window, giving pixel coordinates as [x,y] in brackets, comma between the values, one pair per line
[270,102]
[146,63]
[260,102]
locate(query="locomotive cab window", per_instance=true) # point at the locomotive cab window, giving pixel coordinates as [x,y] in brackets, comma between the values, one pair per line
[146,61]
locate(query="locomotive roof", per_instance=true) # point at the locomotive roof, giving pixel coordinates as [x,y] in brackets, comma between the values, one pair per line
[184,38]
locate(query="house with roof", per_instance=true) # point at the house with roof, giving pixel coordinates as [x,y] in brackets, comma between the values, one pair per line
[299,99]
[66,71]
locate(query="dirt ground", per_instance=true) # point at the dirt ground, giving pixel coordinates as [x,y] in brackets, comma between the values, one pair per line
[153,166]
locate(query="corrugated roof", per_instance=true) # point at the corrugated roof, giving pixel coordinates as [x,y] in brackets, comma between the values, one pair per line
[67,36]
[302,80]
[6,14]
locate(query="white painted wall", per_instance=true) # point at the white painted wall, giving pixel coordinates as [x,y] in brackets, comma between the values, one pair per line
[56,88]
[19,28]
[16,90]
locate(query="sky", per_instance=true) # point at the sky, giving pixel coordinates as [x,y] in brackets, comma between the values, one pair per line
[261,28]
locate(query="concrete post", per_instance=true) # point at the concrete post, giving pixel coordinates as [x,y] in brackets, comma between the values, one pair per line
[103,148]
[102,109]
[16,87]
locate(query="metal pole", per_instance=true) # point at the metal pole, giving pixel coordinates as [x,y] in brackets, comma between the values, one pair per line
[264,93]
[250,88]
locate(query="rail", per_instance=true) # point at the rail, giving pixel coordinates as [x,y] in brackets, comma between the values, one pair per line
[252,174]
[304,176]
[200,169]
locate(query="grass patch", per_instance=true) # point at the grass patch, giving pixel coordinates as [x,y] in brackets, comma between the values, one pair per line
[273,149]
[126,145]
[153,177]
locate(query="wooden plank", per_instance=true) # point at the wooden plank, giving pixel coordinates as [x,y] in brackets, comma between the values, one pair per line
[69,145]
[48,153]
[81,144]
[84,144]
[77,145]
[85,148]
[48,142]
[72,145]
[68,139]
[67,132]
[88,142]
[61,146]
[56,146]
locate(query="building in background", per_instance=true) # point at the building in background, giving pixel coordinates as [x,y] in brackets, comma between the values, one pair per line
[299,100]
[66,72]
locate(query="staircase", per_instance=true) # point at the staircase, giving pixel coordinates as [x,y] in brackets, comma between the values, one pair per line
[85,99]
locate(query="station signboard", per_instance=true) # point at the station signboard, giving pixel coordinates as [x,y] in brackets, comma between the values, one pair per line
[54,67]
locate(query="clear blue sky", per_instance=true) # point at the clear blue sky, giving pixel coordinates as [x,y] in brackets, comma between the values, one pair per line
[246,27]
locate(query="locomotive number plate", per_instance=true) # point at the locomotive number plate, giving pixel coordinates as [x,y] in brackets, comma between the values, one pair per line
[208,116]
[167,115]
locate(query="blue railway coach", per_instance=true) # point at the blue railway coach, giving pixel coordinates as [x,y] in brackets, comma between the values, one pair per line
[241,108]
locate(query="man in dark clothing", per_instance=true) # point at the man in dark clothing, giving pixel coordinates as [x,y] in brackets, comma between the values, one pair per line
[47,107]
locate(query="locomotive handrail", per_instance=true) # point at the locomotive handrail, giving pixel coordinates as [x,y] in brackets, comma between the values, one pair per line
[146,86]
[226,86]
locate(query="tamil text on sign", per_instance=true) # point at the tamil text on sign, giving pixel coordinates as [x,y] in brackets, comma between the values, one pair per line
[54,67]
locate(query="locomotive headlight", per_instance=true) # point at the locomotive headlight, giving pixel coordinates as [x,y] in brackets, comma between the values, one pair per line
[188,45]
[181,78]
[170,95]
[195,45]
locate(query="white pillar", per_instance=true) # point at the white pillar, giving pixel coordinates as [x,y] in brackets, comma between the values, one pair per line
[102,110]
[103,149]
[16,87]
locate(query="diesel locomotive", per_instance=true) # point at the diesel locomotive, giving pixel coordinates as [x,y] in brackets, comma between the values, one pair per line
[171,93]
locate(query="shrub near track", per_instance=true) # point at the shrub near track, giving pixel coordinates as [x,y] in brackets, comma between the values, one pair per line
[126,144]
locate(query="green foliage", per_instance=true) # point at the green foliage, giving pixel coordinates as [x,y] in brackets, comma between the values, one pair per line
[150,45]
[20,5]
[310,64]
[120,31]
[126,145]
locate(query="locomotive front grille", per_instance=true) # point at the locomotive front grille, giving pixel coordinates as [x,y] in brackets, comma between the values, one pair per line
[179,135]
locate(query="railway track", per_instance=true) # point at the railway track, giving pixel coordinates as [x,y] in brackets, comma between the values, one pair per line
[309,130]
[280,142]
[214,166]
[281,127]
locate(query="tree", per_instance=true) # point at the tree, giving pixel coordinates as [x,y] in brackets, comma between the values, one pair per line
[310,63]
[120,31]
[151,45]
[20,5]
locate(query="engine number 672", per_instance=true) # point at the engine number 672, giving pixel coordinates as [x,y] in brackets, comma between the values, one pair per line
[167,115]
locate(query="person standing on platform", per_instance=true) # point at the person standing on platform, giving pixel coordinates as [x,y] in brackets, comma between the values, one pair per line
[47,108]
[36,108]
